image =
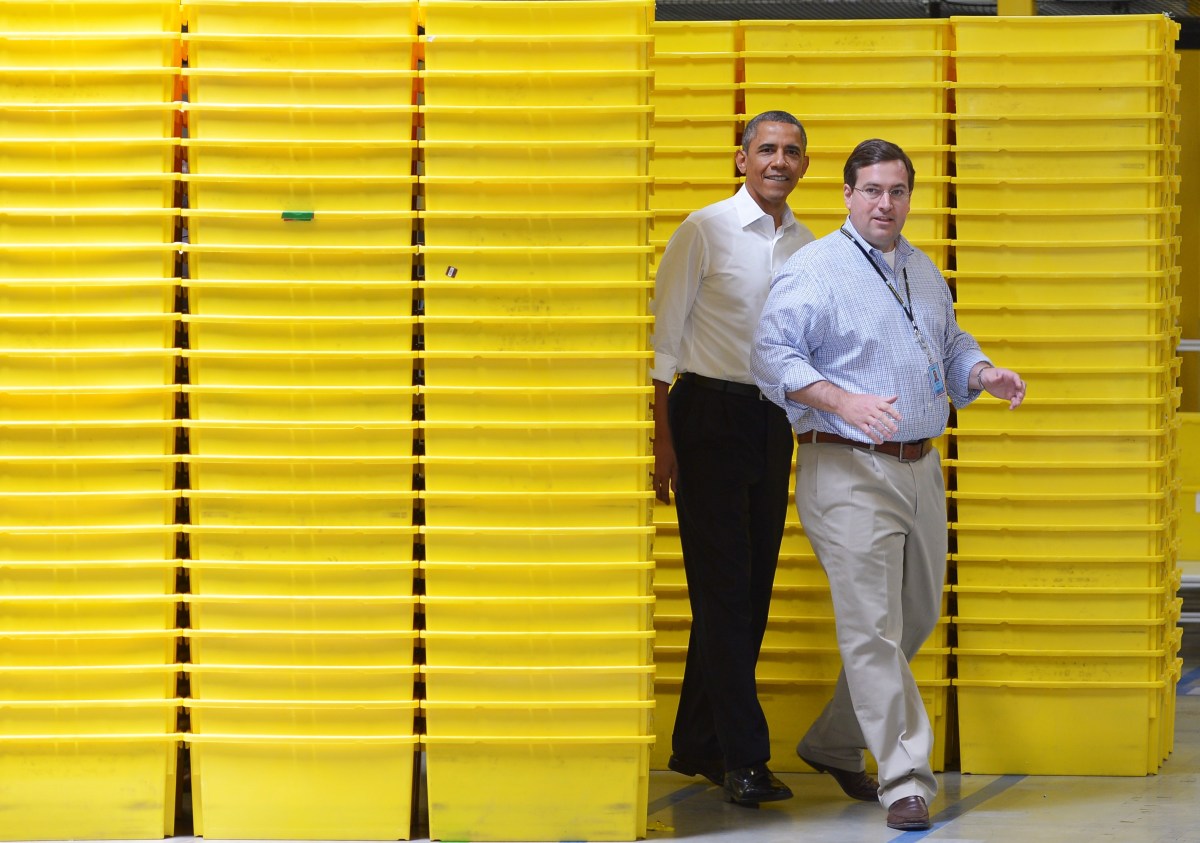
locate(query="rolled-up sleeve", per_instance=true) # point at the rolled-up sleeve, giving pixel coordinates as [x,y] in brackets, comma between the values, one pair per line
[961,352]
[780,357]
[676,283]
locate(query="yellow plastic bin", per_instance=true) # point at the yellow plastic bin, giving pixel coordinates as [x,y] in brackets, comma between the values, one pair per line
[302,544]
[301,367]
[281,297]
[313,17]
[452,648]
[88,16]
[134,173]
[618,718]
[88,509]
[549,53]
[325,787]
[816,36]
[71,261]
[130,792]
[303,719]
[231,578]
[109,125]
[153,681]
[301,682]
[470,438]
[546,264]
[301,473]
[372,57]
[1039,571]
[1059,722]
[536,612]
[330,263]
[336,439]
[1145,192]
[535,368]
[313,648]
[88,544]
[538,405]
[299,335]
[301,404]
[115,648]
[76,85]
[86,368]
[561,17]
[88,579]
[298,124]
[388,157]
[1084,34]
[549,474]
[298,611]
[537,544]
[620,159]
[537,580]
[41,190]
[506,683]
[300,192]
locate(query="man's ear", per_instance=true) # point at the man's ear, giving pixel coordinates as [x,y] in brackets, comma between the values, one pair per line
[740,160]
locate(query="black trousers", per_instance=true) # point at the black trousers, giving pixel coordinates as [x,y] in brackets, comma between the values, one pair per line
[734,455]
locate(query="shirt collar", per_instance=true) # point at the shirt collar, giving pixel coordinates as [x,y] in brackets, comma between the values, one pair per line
[749,212]
[903,247]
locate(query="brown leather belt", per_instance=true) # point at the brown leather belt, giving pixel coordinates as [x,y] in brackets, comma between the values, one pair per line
[903,451]
[745,390]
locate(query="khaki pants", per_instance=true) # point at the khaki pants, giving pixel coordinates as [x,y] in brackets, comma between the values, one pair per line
[878,526]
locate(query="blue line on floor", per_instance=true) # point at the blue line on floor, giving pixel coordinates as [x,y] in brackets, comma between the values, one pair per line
[957,809]
[674,798]
[1188,682]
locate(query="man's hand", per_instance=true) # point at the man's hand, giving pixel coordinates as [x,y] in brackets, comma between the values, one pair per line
[875,416]
[666,469]
[1005,384]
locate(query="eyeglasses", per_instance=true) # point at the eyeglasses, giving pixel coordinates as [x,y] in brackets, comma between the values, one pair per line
[898,194]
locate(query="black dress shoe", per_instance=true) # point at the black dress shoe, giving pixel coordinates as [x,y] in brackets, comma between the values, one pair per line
[754,784]
[855,785]
[909,814]
[714,771]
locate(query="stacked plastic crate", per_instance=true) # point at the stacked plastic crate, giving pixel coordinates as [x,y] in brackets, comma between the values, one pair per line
[1066,271]
[537,606]
[87,371]
[792,65]
[695,130]
[852,80]
[300,361]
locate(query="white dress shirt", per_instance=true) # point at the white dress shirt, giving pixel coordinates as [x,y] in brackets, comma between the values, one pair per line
[711,285]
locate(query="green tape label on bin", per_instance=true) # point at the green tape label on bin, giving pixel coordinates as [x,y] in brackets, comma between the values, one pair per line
[298,216]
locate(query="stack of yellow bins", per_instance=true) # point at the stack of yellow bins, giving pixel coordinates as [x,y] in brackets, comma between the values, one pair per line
[852,80]
[537,603]
[300,360]
[695,128]
[1066,271]
[87,430]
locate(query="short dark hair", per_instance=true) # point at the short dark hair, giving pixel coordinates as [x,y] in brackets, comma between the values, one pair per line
[771,117]
[875,151]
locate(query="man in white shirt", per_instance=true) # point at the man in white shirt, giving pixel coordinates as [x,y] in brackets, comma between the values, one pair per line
[726,452]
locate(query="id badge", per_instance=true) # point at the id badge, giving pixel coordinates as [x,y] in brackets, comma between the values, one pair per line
[935,381]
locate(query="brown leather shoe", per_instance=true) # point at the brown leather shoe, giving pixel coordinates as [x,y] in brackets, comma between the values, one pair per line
[909,814]
[855,785]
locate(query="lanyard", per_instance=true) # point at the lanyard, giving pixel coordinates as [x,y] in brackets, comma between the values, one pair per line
[907,308]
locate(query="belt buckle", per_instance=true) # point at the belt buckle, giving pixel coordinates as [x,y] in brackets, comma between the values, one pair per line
[901,446]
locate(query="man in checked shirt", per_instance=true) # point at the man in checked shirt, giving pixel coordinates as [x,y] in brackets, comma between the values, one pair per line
[858,343]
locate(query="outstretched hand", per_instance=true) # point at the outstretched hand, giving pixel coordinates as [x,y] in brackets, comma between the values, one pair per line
[1005,384]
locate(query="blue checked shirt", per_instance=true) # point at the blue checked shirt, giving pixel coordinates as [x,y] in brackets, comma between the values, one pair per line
[829,316]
